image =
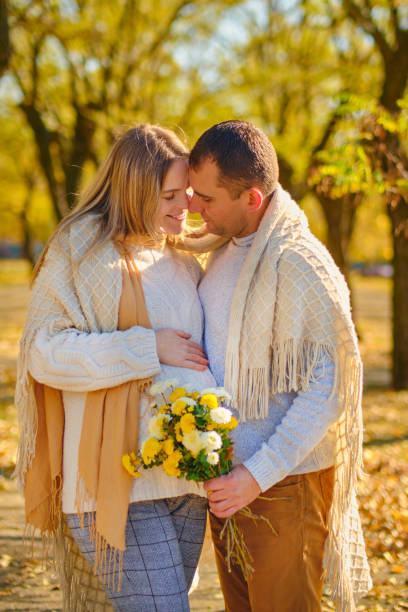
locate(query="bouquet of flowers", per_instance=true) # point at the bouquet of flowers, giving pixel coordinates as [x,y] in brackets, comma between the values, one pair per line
[188,434]
[189,438]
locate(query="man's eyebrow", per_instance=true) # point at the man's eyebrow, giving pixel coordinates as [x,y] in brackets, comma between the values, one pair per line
[202,195]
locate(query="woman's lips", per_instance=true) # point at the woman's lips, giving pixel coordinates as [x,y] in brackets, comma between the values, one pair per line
[178,217]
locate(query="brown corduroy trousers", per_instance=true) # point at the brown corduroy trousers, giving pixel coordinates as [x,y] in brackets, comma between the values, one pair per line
[288,567]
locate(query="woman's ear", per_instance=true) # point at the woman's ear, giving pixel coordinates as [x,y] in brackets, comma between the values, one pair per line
[255,199]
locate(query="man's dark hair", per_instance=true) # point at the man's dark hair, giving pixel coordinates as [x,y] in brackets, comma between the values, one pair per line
[243,153]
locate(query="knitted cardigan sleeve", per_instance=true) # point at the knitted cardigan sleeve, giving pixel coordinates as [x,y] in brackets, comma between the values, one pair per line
[72,360]
[73,343]
[304,425]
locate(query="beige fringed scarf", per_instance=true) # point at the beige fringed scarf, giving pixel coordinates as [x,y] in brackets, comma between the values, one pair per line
[290,304]
[103,293]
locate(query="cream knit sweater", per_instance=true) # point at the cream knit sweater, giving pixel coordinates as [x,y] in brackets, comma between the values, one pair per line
[77,361]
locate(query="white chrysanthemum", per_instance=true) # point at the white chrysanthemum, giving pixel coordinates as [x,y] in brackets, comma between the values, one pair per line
[217,391]
[163,385]
[211,440]
[213,458]
[189,387]
[192,442]
[155,427]
[220,415]
[171,382]
[157,388]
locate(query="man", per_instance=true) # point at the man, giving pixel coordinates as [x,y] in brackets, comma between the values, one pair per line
[279,337]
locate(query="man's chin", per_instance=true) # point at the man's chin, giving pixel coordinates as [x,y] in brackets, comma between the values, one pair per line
[218,231]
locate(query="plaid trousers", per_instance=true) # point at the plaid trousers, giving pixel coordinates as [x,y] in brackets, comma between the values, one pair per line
[164,538]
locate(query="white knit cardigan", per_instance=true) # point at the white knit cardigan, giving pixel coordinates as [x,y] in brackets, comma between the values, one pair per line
[76,289]
[82,293]
[290,304]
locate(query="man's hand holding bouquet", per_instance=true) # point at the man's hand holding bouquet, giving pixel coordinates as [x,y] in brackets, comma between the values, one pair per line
[189,438]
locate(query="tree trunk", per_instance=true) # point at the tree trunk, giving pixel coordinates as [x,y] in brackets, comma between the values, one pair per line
[398,213]
[81,151]
[5,49]
[28,251]
[396,70]
[43,140]
[340,214]
[387,155]
[340,223]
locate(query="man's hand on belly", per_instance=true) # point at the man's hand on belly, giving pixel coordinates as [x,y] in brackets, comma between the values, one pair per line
[228,494]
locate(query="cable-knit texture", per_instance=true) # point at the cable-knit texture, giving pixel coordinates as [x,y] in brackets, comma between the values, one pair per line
[70,342]
[296,436]
[290,307]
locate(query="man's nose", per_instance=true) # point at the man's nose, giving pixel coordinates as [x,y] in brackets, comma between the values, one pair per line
[194,204]
[185,204]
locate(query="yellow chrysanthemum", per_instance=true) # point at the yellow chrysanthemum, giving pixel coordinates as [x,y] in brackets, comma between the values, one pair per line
[150,449]
[129,463]
[164,409]
[134,458]
[170,465]
[176,394]
[194,395]
[168,446]
[210,400]
[187,423]
[233,423]
[177,431]
[178,407]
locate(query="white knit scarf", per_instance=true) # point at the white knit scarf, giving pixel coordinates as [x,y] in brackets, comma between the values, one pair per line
[65,296]
[290,304]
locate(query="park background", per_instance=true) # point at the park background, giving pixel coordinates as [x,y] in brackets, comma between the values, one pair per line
[327,81]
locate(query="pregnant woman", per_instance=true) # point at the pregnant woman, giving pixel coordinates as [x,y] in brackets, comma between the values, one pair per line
[114,308]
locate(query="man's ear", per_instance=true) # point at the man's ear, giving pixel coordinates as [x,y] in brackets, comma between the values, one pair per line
[255,199]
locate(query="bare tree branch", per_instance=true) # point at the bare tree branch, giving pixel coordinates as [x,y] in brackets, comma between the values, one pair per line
[329,130]
[394,18]
[363,18]
[153,47]
[112,50]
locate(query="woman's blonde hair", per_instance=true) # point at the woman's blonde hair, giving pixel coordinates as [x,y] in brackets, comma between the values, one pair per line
[125,192]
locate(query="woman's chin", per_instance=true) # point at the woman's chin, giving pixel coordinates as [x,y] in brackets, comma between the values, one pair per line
[173,228]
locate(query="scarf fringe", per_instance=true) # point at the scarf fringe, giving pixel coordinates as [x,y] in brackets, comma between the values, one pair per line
[250,391]
[27,416]
[108,558]
[293,364]
[75,586]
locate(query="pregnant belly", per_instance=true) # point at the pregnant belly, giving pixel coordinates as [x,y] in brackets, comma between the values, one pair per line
[200,379]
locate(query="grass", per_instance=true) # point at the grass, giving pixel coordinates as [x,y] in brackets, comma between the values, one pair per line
[14,272]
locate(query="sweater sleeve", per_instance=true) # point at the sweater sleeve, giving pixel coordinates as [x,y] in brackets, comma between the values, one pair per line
[304,425]
[71,360]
